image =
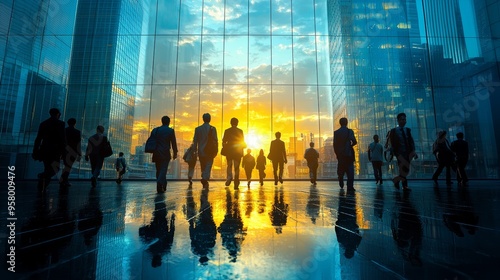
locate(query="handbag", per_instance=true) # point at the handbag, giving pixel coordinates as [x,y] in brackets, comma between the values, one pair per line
[223,151]
[211,148]
[150,146]
[106,150]
[190,155]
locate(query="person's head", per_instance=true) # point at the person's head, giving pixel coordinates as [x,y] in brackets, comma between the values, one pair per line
[278,135]
[100,129]
[261,152]
[165,120]
[442,134]
[249,151]
[311,144]
[206,117]
[375,138]
[460,135]
[234,122]
[54,113]
[401,119]
[120,154]
[72,122]
[343,121]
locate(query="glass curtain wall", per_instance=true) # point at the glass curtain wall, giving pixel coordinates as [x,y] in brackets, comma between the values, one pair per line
[277,65]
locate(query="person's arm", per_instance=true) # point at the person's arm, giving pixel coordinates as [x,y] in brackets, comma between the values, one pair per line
[369,154]
[352,138]
[284,152]
[174,145]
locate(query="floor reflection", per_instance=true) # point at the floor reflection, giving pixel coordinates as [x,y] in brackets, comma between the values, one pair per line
[290,231]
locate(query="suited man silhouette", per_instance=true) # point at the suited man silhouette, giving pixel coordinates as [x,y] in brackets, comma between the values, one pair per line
[73,150]
[277,155]
[49,146]
[95,144]
[165,141]
[200,139]
[233,143]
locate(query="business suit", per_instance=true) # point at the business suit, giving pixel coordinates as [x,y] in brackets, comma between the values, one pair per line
[93,152]
[277,155]
[343,140]
[49,146]
[165,140]
[233,142]
[200,141]
[72,152]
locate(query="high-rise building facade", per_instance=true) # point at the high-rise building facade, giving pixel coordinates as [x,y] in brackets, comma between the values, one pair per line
[276,65]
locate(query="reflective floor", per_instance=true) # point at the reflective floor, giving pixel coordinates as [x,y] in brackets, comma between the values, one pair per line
[291,231]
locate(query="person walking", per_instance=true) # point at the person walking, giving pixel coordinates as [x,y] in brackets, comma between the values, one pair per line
[49,146]
[261,166]
[444,156]
[248,164]
[461,149]
[165,141]
[207,146]
[121,167]
[95,146]
[190,157]
[403,148]
[73,150]
[233,143]
[375,155]
[277,155]
[343,142]
[312,156]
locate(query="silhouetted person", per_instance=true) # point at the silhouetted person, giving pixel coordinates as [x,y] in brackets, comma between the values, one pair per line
[121,167]
[343,142]
[190,157]
[460,215]
[403,148]
[261,166]
[94,147]
[444,156]
[279,213]
[231,229]
[90,218]
[407,229]
[50,144]
[73,150]
[461,149]
[313,202]
[45,234]
[203,231]
[161,228]
[312,156]
[277,155]
[346,228]
[233,143]
[376,155]
[201,136]
[248,165]
[165,140]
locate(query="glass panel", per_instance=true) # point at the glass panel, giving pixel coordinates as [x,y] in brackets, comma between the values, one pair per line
[165,56]
[282,60]
[260,17]
[188,63]
[281,17]
[303,17]
[165,25]
[190,17]
[213,17]
[212,64]
[282,113]
[260,60]
[236,59]
[237,17]
[304,59]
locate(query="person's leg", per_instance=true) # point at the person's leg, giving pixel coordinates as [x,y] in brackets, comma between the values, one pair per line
[315,173]
[448,173]
[281,165]
[261,176]
[375,171]
[404,169]
[438,171]
[341,168]
[237,163]
[379,171]
[191,172]
[229,170]
[350,175]
[275,171]
[207,169]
